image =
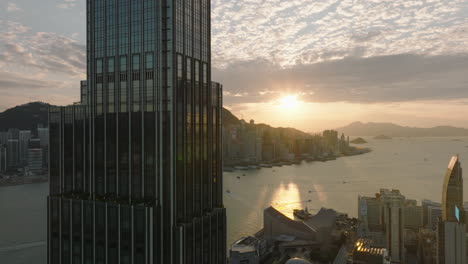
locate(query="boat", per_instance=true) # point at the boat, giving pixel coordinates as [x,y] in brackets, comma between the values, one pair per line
[302,214]
[238,177]
[228,191]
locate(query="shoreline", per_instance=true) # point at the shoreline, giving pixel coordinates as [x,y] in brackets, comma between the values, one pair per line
[278,163]
[23,181]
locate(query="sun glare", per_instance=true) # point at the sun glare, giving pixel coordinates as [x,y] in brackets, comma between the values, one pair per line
[289,101]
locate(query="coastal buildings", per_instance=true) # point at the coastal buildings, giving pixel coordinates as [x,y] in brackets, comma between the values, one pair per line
[451,233]
[35,160]
[24,137]
[43,135]
[13,154]
[249,250]
[135,168]
[390,221]
[321,238]
[432,211]
[365,253]
[3,158]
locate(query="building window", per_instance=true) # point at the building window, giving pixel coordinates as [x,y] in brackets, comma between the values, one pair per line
[99,66]
[110,65]
[136,62]
[123,63]
[189,69]
[149,60]
[179,66]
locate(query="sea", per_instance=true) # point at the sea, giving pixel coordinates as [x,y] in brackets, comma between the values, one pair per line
[415,166]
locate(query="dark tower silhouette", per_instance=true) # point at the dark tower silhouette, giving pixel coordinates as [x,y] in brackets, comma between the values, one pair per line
[135,168]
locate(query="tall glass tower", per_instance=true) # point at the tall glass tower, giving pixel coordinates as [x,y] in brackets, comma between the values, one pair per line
[451,236]
[135,168]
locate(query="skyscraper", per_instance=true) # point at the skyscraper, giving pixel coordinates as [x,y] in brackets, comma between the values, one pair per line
[13,156]
[135,170]
[3,158]
[451,239]
[382,216]
[24,137]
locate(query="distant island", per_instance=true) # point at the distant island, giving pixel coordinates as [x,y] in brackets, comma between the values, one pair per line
[382,137]
[359,129]
[358,141]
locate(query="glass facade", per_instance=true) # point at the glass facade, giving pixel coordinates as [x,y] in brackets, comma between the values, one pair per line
[135,169]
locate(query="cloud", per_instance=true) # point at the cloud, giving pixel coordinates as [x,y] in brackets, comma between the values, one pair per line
[39,65]
[289,32]
[43,52]
[67,4]
[10,81]
[12,7]
[393,78]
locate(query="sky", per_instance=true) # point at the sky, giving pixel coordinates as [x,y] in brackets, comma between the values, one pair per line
[309,64]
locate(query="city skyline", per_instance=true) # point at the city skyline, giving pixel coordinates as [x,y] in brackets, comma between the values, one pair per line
[340,70]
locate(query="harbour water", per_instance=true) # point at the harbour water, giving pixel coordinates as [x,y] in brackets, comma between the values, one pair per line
[413,165]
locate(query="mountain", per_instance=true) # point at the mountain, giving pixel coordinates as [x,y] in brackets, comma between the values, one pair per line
[393,130]
[28,116]
[25,117]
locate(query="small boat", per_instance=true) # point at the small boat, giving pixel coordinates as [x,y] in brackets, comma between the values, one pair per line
[238,177]
[243,174]
[310,191]
[302,214]
[228,191]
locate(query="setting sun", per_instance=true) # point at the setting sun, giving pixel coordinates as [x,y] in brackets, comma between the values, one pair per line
[289,102]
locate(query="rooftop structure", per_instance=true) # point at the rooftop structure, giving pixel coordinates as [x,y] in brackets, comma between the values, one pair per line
[248,250]
[365,253]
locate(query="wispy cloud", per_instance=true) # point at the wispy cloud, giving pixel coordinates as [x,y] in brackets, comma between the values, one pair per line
[43,52]
[66,4]
[12,7]
[38,64]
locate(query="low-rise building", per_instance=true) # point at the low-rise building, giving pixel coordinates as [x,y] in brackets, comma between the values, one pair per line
[248,250]
[365,253]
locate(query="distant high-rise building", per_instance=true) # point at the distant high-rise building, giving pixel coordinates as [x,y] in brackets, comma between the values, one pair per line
[432,211]
[393,204]
[3,137]
[35,160]
[24,137]
[43,135]
[84,93]
[383,221]
[135,172]
[13,153]
[451,235]
[13,133]
[3,158]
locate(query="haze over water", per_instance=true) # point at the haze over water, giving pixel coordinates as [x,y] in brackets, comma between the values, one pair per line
[415,166]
